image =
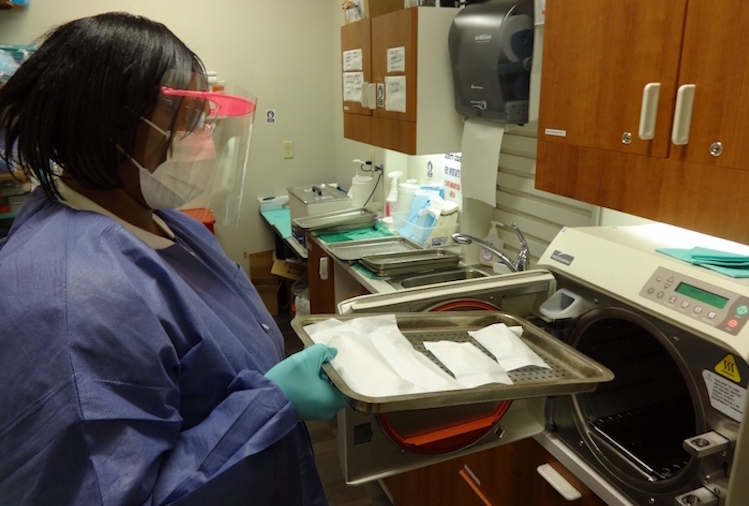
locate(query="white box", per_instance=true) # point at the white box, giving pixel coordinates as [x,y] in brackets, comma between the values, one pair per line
[272,203]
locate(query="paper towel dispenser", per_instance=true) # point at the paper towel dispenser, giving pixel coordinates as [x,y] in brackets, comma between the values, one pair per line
[491,45]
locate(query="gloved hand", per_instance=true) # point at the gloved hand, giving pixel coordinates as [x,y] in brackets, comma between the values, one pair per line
[303,381]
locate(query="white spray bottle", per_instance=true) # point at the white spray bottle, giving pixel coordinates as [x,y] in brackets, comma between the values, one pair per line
[392,198]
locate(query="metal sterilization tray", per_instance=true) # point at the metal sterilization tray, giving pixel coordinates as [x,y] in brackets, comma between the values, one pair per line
[354,250]
[346,219]
[571,371]
[410,261]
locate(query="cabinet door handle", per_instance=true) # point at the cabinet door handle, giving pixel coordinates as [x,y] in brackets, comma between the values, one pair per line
[368,96]
[649,111]
[323,268]
[557,481]
[683,114]
[463,474]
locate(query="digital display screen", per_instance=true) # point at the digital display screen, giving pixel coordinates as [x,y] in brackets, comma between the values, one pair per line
[702,295]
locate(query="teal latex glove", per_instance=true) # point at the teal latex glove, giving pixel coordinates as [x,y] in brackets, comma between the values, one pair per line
[303,381]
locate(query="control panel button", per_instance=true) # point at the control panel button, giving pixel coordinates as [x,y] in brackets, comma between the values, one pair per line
[697,310]
[742,310]
[732,323]
[711,315]
[685,304]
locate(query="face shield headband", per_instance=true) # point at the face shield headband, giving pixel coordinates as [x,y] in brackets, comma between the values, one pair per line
[229,119]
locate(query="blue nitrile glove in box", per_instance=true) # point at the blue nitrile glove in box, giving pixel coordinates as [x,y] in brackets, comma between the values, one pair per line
[303,381]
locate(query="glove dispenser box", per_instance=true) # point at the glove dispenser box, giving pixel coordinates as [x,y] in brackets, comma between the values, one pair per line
[491,45]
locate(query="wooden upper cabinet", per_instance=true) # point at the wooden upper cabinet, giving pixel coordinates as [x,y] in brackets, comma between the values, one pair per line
[598,58]
[714,58]
[394,57]
[356,63]
[414,110]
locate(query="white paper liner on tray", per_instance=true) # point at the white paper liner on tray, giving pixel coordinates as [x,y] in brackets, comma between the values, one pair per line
[389,351]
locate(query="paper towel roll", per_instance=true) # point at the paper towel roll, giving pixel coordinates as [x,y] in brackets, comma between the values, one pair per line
[482,141]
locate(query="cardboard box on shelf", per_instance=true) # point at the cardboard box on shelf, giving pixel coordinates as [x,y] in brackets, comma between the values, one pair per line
[287,269]
[354,10]
[261,264]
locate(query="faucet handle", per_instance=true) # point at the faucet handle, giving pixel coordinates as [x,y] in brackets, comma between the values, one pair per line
[524,255]
[523,244]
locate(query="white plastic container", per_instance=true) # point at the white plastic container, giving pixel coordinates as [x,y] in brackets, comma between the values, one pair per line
[406,193]
[362,189]
[487,257]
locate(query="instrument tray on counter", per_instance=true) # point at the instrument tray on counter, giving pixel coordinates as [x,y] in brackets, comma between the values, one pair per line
[347,219]
[571,371]
[410,261]
[355,250]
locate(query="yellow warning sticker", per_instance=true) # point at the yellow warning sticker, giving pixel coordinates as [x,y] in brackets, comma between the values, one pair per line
[728,368]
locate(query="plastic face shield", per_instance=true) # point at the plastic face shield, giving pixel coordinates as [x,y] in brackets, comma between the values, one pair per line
[184,111]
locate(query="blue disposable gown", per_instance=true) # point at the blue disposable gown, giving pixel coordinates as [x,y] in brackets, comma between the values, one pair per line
[133,375]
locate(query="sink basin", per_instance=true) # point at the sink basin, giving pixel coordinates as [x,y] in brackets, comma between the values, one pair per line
[432,278]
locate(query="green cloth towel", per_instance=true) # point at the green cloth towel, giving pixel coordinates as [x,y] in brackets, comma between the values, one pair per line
[724,262]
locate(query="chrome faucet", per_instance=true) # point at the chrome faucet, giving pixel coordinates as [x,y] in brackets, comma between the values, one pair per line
[524,255]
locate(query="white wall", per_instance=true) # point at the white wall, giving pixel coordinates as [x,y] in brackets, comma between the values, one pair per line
[283,52]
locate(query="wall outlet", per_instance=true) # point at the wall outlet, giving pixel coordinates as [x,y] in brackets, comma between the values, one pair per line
[288,149]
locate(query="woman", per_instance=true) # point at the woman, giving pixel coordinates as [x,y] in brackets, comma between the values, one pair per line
[140,365]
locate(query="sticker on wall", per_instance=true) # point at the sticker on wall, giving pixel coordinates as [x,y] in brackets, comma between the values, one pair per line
[725,396]
[270,115]
[380,95]
[728,368]
[451,178]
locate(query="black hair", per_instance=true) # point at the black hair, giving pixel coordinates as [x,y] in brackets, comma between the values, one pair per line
[82,94]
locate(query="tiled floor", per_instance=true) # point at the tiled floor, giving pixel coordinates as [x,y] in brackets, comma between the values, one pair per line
[324,442]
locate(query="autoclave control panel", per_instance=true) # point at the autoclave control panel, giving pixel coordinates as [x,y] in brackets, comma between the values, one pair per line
[723,309]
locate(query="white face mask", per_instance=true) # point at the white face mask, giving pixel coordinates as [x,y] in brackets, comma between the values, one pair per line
[184,175]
